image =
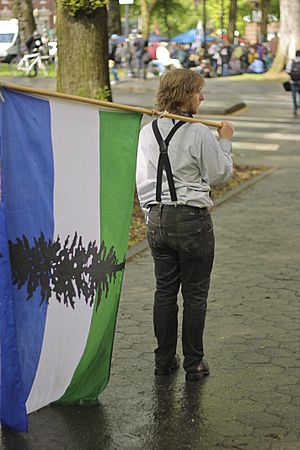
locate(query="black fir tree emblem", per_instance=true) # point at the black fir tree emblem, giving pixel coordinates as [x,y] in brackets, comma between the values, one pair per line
[68,270]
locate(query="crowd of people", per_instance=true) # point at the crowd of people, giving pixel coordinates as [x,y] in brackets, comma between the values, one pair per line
[143,59]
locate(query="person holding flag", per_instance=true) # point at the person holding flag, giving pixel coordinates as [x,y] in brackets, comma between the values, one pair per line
[180,229]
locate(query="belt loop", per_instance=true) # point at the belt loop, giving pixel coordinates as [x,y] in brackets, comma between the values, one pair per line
[160,205]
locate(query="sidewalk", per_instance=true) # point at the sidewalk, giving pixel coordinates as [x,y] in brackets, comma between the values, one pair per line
[251,399]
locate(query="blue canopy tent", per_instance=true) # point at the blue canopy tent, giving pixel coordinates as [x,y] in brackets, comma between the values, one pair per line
[117,39]
[189,37]
[153,37]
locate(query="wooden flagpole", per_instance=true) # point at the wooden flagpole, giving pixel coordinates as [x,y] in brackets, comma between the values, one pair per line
[91,101]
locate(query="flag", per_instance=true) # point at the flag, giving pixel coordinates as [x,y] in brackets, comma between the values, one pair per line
[199,36]
[67,184]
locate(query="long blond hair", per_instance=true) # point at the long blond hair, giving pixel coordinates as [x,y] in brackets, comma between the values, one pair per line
[176,88]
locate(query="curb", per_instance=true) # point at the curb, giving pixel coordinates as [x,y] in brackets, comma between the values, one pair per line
[136,249]
[143,245]
[235,108]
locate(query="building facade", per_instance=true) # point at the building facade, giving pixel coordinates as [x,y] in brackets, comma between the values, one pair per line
[43,10]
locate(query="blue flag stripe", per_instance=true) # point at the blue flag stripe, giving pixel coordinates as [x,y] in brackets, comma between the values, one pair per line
[13,411]
[27,153]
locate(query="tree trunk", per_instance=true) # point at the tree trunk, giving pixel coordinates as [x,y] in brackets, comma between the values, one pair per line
[83,53]
[147,8]
[23,11]
[289,40]
[232,20]
[145,19]
[264,6]
[166,17]
[114,17]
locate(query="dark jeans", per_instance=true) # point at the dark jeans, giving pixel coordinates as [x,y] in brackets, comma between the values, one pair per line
[295,91]
[182,245]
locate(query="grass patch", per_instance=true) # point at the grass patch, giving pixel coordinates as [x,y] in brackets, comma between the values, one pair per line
[241,174]
[10,70]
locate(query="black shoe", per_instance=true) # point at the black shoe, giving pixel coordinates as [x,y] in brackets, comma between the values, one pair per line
[201,371]
[168,369]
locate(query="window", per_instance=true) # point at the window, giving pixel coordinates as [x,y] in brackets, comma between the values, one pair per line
[6,38]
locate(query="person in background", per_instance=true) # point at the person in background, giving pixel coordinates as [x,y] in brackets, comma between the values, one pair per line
[182,54]
[163,57]
[244,58]
[34,42]
[215,59]
[293,69]
[113,57]
[225,57]
[139,47]
[235,62]
[180,229]
[258,66]
[268,59]
[147,58]
[34,45]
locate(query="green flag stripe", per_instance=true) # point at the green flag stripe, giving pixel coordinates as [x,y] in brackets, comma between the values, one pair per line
[118,144]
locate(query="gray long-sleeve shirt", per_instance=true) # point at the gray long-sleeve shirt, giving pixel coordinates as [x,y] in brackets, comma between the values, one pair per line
[197,159]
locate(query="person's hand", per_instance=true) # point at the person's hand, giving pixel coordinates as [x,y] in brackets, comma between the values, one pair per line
[226,131]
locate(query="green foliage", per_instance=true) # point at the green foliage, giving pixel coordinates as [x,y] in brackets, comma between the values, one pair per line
[169,16]
[103,93]
[275,8]
[82,7]
[177,16]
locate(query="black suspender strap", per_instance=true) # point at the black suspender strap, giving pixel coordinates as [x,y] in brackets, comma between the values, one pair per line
[163,161]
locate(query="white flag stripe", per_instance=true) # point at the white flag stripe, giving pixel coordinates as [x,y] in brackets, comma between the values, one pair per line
[76,208]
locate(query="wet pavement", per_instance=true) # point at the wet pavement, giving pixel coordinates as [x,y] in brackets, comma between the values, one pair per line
[251,400]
